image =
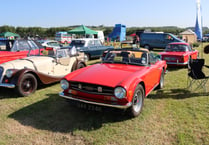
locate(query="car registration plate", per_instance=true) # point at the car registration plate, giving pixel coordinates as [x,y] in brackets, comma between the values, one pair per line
[89,107]
[170,58]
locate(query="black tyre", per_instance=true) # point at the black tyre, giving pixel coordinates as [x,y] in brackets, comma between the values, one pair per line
[80,65]
[161,83]
[27,85]
[137,101]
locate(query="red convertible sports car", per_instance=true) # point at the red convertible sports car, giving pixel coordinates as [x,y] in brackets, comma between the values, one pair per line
[122,80]
[178,53]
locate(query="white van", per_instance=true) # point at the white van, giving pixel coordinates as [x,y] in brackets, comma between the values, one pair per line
[100,36]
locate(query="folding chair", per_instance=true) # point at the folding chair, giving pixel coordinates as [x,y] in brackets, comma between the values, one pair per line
[196,77]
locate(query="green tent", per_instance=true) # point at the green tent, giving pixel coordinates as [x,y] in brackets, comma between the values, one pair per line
[82,30]
[9,34]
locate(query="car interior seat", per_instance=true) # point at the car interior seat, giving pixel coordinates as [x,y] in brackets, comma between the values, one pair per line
[125,56]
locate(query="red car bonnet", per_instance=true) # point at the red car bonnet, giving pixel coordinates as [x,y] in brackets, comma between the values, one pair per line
[104,74]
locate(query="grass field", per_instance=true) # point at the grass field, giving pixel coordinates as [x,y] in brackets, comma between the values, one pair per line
[172,115]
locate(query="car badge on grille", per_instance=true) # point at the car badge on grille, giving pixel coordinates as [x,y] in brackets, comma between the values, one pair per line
[99,89]
[89,88]
[79,86]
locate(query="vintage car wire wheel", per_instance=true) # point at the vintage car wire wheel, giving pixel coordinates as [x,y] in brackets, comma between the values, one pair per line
[27,85]
[161,83]
[137,101]
[80,65]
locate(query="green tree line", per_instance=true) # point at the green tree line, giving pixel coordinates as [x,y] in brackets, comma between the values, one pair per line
[50,32]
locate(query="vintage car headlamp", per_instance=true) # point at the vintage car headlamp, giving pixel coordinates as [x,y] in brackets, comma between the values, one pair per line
[120,92]
[64,84]
[9,73]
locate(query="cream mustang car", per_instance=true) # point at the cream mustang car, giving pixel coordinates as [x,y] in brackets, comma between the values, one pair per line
[24,75]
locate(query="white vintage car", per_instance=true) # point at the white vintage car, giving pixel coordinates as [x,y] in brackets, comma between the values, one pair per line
[24,75]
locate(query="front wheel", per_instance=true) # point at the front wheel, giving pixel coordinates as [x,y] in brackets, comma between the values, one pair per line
[27,85]
[137,101]
[161,83]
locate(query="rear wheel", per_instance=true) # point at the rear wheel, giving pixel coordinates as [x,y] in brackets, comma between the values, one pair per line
[137,101]
[80,65]
[27,85]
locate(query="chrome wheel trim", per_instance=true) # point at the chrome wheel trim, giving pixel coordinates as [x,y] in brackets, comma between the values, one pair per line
[137,101]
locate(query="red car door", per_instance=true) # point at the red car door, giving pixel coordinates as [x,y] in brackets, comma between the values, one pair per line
[154,73]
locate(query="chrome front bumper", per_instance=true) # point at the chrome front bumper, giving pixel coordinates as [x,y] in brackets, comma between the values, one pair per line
[61,94]
[5,85]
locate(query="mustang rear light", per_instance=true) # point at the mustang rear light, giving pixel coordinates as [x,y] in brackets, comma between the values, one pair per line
[64,84]
[120,92]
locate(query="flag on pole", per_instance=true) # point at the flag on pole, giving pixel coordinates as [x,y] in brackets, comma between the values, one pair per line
[198,25]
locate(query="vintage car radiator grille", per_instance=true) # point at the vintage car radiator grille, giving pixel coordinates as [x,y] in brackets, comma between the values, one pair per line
[1,72]
[92,88]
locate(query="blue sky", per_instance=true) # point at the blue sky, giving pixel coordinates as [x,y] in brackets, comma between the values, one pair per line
[140,13]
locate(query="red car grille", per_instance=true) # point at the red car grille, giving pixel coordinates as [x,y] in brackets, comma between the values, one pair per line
[92,88]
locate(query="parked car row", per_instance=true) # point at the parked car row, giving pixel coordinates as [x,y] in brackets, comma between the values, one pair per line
[92,48]
[122,80]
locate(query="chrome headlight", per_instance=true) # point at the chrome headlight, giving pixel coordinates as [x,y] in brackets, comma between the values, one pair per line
[120,92]
[64,84]
[9,73]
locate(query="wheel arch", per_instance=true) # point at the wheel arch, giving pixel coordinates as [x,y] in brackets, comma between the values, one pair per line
[140,82]
[143,85]
[19,74]
[75,65]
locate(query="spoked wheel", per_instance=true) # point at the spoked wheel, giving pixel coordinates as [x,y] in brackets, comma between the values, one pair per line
[80,65]
[137,101]
[27,85]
